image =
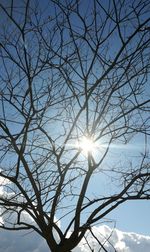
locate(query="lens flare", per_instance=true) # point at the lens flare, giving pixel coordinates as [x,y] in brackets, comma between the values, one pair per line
[87,145]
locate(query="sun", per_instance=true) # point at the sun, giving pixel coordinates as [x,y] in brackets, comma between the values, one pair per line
[87,145]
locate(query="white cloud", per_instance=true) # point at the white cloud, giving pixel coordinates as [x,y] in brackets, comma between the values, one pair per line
[113,240]
[118,241]
[122,241]
[19,241]
[23,241]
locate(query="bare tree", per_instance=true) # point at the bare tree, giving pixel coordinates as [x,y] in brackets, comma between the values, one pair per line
[74,83]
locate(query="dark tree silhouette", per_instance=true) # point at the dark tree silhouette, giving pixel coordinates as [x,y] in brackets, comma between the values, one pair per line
[74,83]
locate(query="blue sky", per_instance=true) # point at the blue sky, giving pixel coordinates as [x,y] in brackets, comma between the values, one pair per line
[133,217]
[129,217]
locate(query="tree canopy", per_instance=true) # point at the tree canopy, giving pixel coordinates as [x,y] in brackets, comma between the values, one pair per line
[74,89]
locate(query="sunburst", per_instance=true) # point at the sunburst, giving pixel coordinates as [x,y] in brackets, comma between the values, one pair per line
[87,145]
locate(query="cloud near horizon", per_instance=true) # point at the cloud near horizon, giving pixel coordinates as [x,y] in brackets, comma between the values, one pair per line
[119,241]
[112,240]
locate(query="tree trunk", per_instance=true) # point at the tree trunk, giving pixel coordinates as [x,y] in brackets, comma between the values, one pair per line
[66,246]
